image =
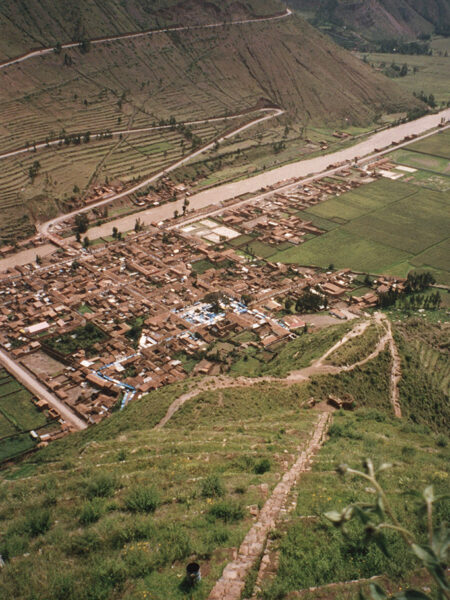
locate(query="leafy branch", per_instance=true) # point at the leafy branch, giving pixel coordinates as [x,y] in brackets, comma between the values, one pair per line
[378,516]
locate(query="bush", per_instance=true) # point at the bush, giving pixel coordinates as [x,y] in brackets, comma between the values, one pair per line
[212,487]
[441,441]
[227,510]
[139,559]
[62,587]
[143,499]
[37,522]
[102,485]
[339,430]
[262,466]
[13,545]
[83,543]
[91,511]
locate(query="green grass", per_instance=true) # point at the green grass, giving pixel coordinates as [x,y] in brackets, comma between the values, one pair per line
[85,337]
[290,356]
[134,539]
[392,225]
[356,348]
[313,552]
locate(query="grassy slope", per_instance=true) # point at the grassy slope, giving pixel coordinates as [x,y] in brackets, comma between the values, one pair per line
[67,505]
[103,549]
[313,553]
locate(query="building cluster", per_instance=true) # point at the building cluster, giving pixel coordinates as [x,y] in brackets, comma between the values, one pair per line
[123,321]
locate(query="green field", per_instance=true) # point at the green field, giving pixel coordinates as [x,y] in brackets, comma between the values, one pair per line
[18,414]
[431,75]
[392,227]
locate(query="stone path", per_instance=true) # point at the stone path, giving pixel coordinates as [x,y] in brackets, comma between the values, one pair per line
[232,581]
[396,374]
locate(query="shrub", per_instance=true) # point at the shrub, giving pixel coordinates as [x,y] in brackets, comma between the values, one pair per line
[13,545]
[212,487]
[102,485]
[175,543]
[37,522]
[107,574]
[138,559]
[227,510]
[143,499]
[62,587]
[408,452]
[262,466]
[441,441]
[83,543]
[339,430]
[91,511]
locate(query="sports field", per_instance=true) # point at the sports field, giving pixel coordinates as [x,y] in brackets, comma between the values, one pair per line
[386,227]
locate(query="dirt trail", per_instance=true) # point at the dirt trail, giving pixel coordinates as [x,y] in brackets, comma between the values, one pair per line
[232,582]
[316,368]
[396,373]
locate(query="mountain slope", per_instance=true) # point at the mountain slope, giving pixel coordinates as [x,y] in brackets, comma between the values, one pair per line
[35,23]
[190,75]
[380,19]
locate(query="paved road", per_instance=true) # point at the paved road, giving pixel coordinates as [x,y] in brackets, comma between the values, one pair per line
[315,168]
[270,114]
[217,195]
[40,391]
[128,36]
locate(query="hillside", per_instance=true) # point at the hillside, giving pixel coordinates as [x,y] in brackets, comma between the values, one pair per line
[118,511]
[187,75]
[27,24]
[380,19]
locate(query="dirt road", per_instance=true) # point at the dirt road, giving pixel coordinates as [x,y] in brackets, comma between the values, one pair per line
[308,170]
[40,391]
[318,367]
[138,34]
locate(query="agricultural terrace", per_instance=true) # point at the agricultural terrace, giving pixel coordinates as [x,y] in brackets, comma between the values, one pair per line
[18,415]
[67,170]
[385,227]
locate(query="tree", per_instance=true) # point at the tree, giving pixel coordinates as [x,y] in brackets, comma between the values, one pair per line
[138,225]
[175,214]
[310,301]
[288,303]
[81,222]
[115,231]
[38,260]
[57,49]
[78,237]
[404,70]
[86,242]
[34,170]
[377,517]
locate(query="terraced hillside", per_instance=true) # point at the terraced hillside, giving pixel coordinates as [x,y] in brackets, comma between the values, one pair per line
[185,75]
[118,510]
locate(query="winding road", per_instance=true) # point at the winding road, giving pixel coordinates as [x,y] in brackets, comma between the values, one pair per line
[311,169]
[318,367]
[138,34]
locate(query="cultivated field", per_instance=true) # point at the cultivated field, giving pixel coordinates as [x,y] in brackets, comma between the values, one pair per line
[387,226]
[18,414]
[431,75]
